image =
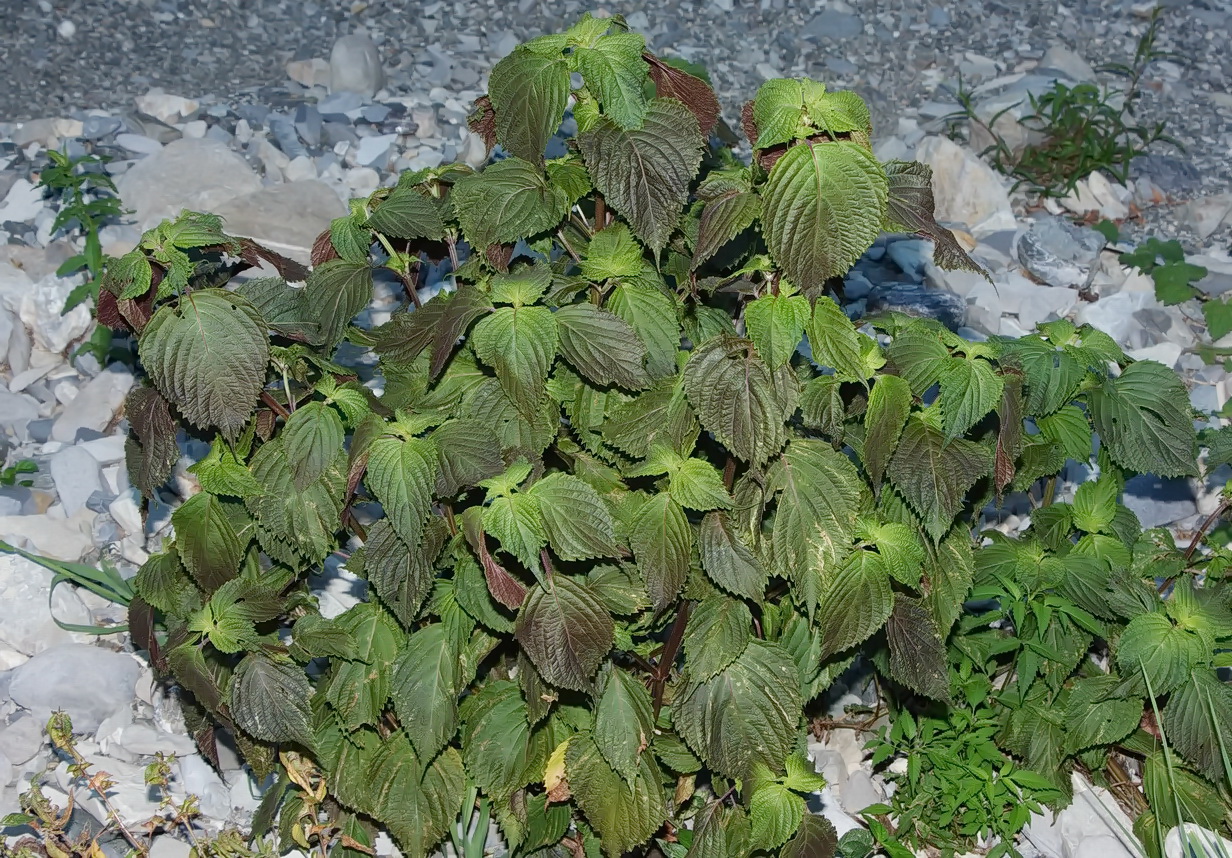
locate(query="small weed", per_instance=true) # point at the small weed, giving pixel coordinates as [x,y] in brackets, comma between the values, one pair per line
[56,833]
[88,200]
[107,583]
[1083,128]
[12,475]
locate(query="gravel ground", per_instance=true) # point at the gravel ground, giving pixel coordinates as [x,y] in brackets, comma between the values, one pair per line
[55,56]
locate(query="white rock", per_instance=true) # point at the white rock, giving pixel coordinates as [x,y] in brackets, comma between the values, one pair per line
[126,514]
[23,201]
[1167,353]
[965,189]
[166,107]
[1064,60]
[286,218]
[198,778]
[21,740]
[169,847]
[300,169]
[860,791]
[88,682]
[133,800]
[310,73]
[1194,841]
[845,743]
[95,405]
[474,152]
[1094,813]
[145,740]
[199,175]
[77,475]
[16,412]
[1100,846]
[66,29]
[196,129]
[1114,315]
[362,180]
[107,450]
[355,66]
[60,539]
[28,626]
[1204,215]
[139,143]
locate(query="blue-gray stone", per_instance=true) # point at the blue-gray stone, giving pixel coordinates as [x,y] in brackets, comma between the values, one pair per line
[340,102]
[938,17]
[916,299]
[285,136]
[253,114]
[833,24]
[1158,502]
[308,124]
[98,127]
[374,113]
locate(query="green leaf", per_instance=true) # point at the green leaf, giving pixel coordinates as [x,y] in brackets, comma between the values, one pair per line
[744,715]
[933,476]
[208,544]
[856,602]
[724,218]
[400,573]
[424,688]
[359,688]
[1165,654]
[416,806]
[839,112]
[778,111]
[603,347]
[1174,282]
[727,560]
[289,521]
[1091,718]
[697,484]
[1143,420]
[1095,504]
[655,317]
[919,356]
[645,173]
[520,344]
[565,630]
[835,342]
[501,753]
[207,353]
[969,390]
[775,813]
[1198,722]
[269,700]
[402,475]
[612,252]
[1070,429]
[529,92]
[739,399]
[469,453]
[1218,315]
[625,814]
[615,72]
[283,307]
[917,650]
[510,199]
[720,832]
[662,542]
[949,570]
[164,584]
[818,489]
[518,525]
[776,325]
[408,213]
[900,548]
[717,632]
[337,291]
[815,839]
[822,209]
[889,404]
[624,722]
[349,237]
[578,523]
[312,437]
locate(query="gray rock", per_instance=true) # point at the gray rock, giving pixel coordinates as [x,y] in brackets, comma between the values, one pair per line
[1060,253]
[1158,502]
[340,104]
[87,682]
[1173,176]
[286,136]
[57,538]
[30,603]
[22,203]
[375,151]
[916,299]
[833,24]
[286,218]
[21,740]
[355,66]
[16,412]
[938,17]
[1070,64]
[199,175]
[965,189]
[1101,846]
[77,475]
[860,791]
[911,255]
[139,143]
[1207,214]
[95,405]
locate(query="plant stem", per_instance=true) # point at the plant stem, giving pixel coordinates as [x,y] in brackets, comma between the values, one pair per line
[274,405]
[664,668]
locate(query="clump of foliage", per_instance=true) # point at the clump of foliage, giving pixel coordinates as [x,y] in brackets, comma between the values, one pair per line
[15,474]
[1078,129]
[619,531]
[87,199]
[44,829]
